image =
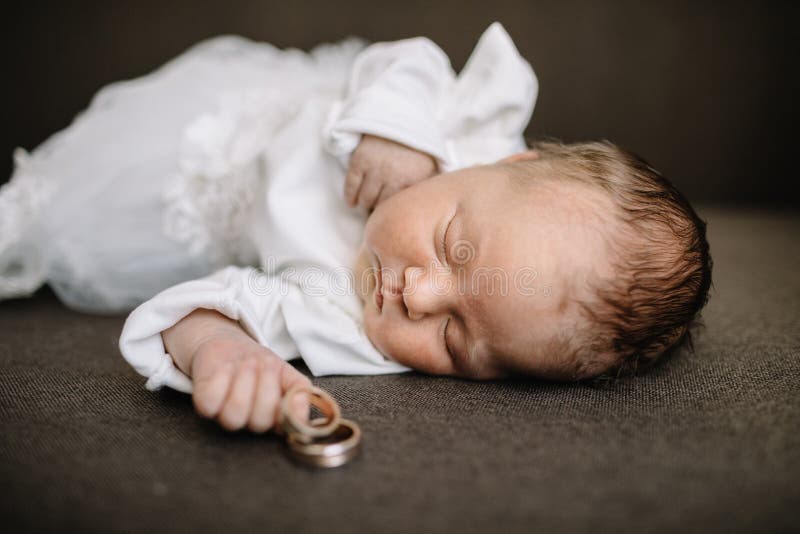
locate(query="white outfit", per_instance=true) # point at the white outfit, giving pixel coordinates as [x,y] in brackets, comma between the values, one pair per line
[255,179]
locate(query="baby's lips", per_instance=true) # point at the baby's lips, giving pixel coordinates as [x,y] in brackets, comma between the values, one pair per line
[377,289]
[379,284]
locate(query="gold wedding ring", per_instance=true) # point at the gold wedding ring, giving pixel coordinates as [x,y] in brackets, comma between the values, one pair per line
[302,432]
[333,450]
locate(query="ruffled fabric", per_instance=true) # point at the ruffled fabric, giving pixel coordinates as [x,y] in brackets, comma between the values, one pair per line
[152,184]
[209,200]
[22,265]
[406,91]
[221,161]
[490,104]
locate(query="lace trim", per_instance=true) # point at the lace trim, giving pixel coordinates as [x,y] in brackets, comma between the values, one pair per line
[22,268]
[221,164]
[221,158]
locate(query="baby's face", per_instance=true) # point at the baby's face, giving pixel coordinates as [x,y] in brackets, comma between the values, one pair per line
[472,273]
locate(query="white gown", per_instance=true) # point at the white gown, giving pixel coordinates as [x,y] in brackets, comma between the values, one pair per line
[93,210]
[170,189]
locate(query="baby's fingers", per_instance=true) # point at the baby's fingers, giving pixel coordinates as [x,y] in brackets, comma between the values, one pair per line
[369,193]
[352,185]
[289,378]
[268,397]
[210,389]
[238,406]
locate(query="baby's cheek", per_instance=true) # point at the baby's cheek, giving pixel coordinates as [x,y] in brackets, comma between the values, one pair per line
[378,332]
[409,344]
[383,334]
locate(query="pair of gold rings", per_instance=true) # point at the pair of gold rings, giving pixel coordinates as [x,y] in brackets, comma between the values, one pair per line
[328,441]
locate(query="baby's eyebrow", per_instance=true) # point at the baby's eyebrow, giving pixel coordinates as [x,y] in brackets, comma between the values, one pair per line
[464,250]
[475,337]
[472,354]
[469,354]
[465,244]
[474,362]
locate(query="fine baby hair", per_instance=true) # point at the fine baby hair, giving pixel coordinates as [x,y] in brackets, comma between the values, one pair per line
[660,260]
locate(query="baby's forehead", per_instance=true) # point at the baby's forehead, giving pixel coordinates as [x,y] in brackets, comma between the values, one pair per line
[535,260]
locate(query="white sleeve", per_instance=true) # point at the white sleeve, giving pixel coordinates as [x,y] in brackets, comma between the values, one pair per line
[244,294]
[395,91]
[407,91]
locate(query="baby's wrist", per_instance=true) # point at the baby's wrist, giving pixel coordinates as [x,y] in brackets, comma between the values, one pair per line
[187,336]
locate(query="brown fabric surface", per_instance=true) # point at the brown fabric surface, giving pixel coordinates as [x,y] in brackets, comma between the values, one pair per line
[706,442]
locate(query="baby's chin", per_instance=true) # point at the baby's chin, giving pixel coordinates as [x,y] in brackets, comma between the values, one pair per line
[365,286]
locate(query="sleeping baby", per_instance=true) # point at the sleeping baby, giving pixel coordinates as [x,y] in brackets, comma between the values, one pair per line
[399,221]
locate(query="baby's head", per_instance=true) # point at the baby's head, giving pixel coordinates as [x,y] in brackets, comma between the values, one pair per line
[564,262]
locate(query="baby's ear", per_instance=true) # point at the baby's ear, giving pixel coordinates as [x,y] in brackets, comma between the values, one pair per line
[528,155]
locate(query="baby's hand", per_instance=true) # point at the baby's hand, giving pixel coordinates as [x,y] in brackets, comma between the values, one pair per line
[380,168]
[240,383]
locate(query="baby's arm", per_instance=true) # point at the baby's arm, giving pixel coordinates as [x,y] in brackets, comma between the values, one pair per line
[221,338]
[236,381]
[385,130]
[209,316]
[407,116]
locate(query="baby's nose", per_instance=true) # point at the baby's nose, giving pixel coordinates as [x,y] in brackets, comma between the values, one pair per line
[419,294]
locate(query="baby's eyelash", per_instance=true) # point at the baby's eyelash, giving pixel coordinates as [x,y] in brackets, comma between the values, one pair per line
[444,239]
[444,338]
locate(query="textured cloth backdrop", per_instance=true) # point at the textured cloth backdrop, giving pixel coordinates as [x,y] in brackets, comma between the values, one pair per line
[706,442]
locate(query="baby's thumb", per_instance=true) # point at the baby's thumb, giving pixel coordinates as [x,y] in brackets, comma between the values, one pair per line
[299,405]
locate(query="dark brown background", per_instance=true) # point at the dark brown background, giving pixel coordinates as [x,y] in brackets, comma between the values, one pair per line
[707,442]
[704,90]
